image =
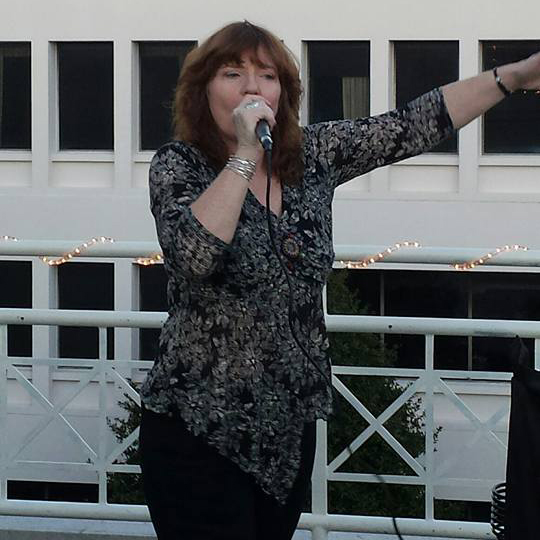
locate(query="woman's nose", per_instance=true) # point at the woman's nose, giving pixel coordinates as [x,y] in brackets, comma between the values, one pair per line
[252,84]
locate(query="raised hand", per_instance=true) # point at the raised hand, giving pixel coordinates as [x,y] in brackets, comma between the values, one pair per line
[245,117]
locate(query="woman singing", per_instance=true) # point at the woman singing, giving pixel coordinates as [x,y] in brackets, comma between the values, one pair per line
[228,429]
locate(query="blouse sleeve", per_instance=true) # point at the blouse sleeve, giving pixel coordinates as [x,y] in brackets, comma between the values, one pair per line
[177,178]
[346,149]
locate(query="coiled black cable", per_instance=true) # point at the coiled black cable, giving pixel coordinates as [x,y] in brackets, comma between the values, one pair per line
[268,156]
[498,510]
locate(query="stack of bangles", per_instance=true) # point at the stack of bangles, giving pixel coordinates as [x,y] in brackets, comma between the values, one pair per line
[244,167]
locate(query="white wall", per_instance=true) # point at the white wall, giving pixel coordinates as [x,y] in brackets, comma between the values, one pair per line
[468,200]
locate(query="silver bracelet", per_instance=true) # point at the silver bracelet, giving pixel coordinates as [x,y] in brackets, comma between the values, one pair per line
[244,167]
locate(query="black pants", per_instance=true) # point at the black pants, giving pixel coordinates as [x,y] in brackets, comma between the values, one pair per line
[193,493]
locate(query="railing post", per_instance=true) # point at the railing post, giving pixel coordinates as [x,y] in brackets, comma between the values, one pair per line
[430,428]
[319,492]
[3,410]
[44,338]
[319,484]
[126,292]
[102,417]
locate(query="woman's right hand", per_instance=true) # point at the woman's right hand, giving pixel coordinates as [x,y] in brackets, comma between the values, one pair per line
[245,119]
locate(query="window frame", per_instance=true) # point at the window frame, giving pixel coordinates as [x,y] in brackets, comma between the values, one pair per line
[442,158]
[106,267]
[526,159]
[145,155]
[21,154]
[307,70]
[58,155]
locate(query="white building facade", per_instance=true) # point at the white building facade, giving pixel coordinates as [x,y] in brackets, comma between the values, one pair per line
[56,183]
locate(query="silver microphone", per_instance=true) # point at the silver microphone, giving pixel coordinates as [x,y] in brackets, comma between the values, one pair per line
[264,135]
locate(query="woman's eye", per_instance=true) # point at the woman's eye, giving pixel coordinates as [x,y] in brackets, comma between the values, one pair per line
[232,74]
[269,76]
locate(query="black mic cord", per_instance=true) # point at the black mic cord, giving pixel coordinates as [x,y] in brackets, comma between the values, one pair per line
[268,155]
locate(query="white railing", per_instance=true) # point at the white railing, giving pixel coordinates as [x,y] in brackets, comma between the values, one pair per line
[420,255]
[99,458]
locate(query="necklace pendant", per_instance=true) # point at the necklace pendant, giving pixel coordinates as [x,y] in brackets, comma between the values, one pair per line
[291,247]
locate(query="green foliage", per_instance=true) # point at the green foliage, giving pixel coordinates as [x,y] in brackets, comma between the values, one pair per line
[376,393]
[126,488]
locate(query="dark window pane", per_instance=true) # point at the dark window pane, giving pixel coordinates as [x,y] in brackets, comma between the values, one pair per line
[451,352]
[85,94]
[52,491]
[153,297]
[365,288]
[497,354]
[513,125]
[506,296]
[462,510]
[338,80]
[408,293]
[427,294]
[422,66]
[160,64]
[16,292]
[85,286]
[15,107]
[502,296]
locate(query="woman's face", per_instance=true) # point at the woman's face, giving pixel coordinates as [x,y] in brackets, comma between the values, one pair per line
[231,83]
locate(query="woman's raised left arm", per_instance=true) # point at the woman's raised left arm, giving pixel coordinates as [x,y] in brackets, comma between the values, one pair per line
[344,149]
[469,98]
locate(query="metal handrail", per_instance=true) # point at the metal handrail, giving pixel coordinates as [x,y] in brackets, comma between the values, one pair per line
[334,323]
[343,252]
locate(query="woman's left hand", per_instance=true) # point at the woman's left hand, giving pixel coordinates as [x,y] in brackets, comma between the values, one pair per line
[528,73]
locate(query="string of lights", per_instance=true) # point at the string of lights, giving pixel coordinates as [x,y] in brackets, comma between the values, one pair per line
[371,259]
[481,260]
[148,261]
[77,251]
[66,257]
[157,258]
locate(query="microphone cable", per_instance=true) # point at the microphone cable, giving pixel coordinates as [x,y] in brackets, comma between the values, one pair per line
[268,156]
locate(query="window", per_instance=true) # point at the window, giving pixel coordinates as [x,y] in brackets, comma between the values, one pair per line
[513,125]
[153,297]
[52,491]
[482,295]
[338,80]
[16,292]
[15,108]
[85,96]
[457,510]
[427,294]
[160,64]
[84,286]
[502,296]
[421,66]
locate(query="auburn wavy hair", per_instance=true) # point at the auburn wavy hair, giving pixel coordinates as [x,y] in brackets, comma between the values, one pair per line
[192,119]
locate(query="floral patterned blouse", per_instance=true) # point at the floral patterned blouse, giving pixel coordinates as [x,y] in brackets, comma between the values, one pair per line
[227,362]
